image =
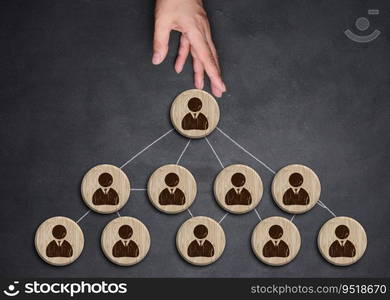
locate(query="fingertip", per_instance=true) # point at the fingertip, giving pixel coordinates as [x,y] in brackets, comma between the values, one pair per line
[216,92]
[198,85]
[157,58]
[178,69]
[221,85]
[201,85]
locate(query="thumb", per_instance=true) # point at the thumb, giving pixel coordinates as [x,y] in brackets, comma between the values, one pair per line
[160,43]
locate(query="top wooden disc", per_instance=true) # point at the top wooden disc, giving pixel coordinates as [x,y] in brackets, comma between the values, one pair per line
[342,241]
[59,241]
[105,189]
[296,189]
[195,113]
[238,189]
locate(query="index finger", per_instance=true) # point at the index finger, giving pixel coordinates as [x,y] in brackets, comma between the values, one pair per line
[205,55]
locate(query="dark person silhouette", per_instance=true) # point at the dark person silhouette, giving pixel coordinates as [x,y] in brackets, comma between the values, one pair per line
[342,247]
[276,247]
[238,195]
[105,195]
[200,247]
[194,119]
[296,195]
[171,195]
[125,247]
[59,247]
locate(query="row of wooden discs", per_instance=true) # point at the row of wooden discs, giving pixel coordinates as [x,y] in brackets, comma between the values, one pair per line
[201,240]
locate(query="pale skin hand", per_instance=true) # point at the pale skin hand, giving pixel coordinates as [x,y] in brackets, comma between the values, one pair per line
[189,18]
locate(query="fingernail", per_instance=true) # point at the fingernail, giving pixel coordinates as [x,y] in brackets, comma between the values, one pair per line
[156,58]
[221,85]
[217,93]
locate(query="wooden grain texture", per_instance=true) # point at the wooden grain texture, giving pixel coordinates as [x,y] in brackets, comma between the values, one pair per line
[120,184]
[356,235]
[290,236]
[225,184]
[157,186]
[185,236]
[44,236]
[140,236]
[180,109]
[311,184]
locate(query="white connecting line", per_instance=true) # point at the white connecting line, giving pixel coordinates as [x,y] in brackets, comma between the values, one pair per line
[83,216]
[246,151]
[184,150]
[224,216]
[258,215]
[215,153]
[146,148]
[292,218]
[320,203]
[130,160]
[190,213]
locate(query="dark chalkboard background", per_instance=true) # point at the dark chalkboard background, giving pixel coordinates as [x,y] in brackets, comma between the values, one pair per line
[78,89]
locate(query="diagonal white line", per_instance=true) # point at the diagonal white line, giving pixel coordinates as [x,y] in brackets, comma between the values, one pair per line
[321,204]
[184,150]
[83,216]
[215,153]
[292,218]
[223,218]
[190,213]
[258,215]
[246,151]
[146,148]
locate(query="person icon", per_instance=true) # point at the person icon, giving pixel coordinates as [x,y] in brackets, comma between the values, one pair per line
[105,195]
[195,119]
[342,247]
[200,247]
[125,247]
[172,195]
[296,195]
[238,195]
[276,247]
[59,247]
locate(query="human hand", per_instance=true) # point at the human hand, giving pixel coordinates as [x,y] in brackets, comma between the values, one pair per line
[189,18]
